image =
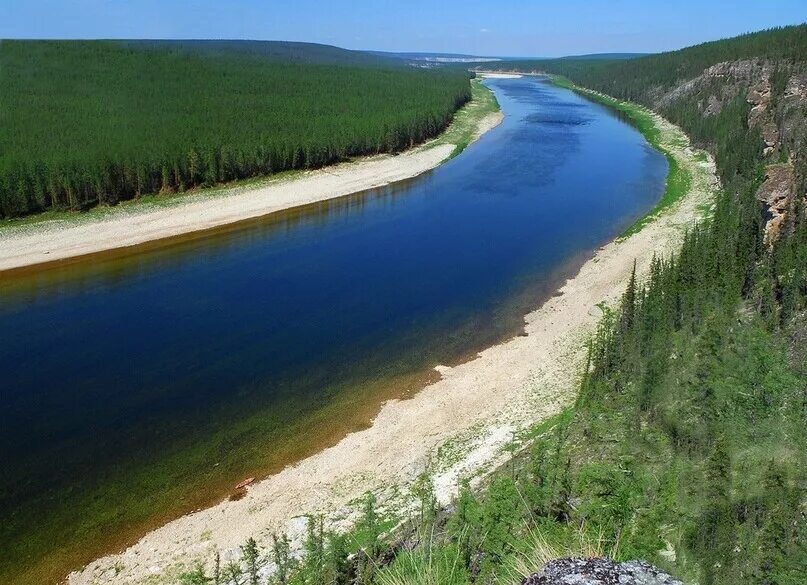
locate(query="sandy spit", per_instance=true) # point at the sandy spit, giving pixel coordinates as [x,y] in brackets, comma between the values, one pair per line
[457,427]
[490,75]
[58,240]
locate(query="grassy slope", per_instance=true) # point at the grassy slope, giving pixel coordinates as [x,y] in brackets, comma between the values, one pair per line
[465,127]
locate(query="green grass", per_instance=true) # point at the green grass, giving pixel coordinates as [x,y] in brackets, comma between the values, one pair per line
[426,565]
[679,184]
[466,123]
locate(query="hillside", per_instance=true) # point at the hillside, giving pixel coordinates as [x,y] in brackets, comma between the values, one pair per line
[95,122]
[686,446]
[278,51]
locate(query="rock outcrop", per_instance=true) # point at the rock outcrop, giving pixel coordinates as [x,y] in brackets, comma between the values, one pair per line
[776,192]
[760,115]
[600,571]
[718,85]
[777,96]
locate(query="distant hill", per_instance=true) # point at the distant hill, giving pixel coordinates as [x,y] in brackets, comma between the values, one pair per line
[458,59]
[638,78]
[285,51]
[624,76]
[436,57]
[607,56]
[589,56]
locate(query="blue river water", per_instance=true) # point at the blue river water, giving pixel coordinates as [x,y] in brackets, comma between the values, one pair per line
[142,377]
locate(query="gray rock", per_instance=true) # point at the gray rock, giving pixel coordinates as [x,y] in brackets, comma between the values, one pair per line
[599,571]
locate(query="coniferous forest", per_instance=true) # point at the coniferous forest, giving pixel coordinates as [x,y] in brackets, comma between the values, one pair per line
[95,123]
[641,78]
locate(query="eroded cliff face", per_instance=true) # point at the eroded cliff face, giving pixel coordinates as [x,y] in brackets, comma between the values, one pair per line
[777,96]
[777,192]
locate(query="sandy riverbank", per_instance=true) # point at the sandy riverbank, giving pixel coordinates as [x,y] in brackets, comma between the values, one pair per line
[50,241]
[472,412]
[492,75]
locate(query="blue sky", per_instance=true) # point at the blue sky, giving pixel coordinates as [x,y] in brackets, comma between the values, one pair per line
[490,27]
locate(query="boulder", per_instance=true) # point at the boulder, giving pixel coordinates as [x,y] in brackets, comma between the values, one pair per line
[600,571]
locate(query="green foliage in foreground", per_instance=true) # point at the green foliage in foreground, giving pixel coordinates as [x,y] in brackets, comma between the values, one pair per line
[88,123]
[694,463]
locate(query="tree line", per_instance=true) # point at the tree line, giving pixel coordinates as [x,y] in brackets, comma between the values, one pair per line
[644,79]
[89,123]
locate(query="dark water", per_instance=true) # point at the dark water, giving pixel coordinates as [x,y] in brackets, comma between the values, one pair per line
[129,383]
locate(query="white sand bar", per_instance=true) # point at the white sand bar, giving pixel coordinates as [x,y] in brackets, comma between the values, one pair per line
[131,225]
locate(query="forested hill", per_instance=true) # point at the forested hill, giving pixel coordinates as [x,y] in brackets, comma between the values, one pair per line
[96,122]
[744,98]
[280,51]
[639,78]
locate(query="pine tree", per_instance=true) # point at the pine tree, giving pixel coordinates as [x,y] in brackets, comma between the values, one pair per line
[281,556]
[252,558]
[627,311]
[338,567]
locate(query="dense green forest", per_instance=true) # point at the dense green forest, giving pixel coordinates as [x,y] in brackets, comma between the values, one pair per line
[641,79]
[88,123]
[687,444]
[279,51]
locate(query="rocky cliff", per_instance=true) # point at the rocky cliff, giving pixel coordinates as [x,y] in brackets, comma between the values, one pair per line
[776,93]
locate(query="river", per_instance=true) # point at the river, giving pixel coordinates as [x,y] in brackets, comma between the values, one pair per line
[136,387]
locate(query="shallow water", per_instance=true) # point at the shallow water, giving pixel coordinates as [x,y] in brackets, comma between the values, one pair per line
[138,386]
